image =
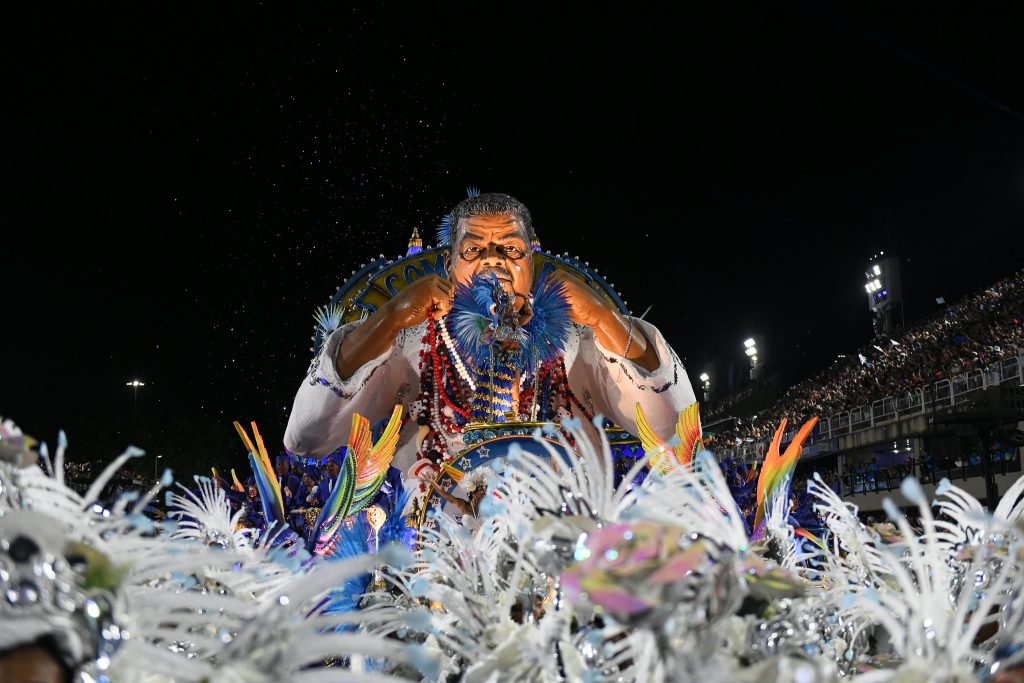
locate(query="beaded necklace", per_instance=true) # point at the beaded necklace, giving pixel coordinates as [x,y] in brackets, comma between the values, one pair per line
[460,366]
[447,389]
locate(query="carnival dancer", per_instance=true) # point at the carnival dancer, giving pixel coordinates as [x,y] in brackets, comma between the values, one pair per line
[253,510]
[306,502]
[290,492]
[475,486]
[282,466]
[405,352]
[332,470]
[310,491]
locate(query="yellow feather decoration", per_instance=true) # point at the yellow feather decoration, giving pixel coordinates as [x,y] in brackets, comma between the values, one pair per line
[665,457]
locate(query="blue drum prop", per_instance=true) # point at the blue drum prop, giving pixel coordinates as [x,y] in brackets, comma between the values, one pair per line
[488,445]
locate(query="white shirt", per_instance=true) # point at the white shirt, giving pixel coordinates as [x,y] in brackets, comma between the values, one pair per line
[321,416]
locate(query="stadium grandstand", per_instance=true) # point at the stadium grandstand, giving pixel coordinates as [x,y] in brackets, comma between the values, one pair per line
[941,398]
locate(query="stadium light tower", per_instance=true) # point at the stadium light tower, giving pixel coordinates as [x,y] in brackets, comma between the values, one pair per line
[752,346]
[135,384]
[705,379]
[885,293]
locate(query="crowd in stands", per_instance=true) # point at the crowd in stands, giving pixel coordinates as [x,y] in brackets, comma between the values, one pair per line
[869,477]
[724,406]
[865,477]
[971,334]
[828,473]
[80,475]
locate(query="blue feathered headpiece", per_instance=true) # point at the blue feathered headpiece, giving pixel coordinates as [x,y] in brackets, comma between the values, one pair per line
[444,229]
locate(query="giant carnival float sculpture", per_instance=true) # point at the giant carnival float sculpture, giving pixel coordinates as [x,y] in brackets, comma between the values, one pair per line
[498,366]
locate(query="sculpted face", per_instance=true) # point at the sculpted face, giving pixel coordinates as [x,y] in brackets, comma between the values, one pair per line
[495,243]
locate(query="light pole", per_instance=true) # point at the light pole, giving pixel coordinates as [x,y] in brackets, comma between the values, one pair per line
[156,467]
[750,348]
[135,384]
[883,287]
[706,381]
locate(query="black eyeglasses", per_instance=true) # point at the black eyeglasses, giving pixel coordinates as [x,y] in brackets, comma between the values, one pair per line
[509,251]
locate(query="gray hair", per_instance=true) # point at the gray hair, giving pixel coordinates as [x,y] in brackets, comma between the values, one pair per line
[489,204]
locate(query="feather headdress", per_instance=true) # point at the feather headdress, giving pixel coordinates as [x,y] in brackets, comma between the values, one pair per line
[475,478]
[444,229]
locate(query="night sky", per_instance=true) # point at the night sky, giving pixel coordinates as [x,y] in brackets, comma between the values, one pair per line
[187,182]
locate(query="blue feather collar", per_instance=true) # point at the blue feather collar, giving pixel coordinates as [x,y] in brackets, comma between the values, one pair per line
[482,319]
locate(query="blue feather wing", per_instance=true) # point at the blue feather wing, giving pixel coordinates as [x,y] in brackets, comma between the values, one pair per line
[444,230]
[548,329]
[346,597]
[482,291]
[471,318]
[394,527]
[355,542]
[469,331]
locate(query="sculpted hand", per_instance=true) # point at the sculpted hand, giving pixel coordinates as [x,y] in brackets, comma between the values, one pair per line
[430,296]
[586,307]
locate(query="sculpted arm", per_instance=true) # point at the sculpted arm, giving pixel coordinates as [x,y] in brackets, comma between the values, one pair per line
[427,297]
[614,331]
[624,361]
[359,371]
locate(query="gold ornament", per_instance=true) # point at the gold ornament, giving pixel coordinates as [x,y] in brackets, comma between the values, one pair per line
[376,516]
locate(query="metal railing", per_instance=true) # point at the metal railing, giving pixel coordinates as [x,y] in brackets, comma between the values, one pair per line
[1005,461]
[921,400]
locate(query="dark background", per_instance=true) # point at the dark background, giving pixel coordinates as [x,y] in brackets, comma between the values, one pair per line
[187,182]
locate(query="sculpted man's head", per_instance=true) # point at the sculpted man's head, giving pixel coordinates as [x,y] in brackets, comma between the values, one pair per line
[491,233]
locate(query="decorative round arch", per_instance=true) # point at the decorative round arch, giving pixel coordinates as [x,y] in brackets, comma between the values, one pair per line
[381,279]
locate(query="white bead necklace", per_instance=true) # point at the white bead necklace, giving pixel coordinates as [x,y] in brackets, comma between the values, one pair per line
[460,367]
